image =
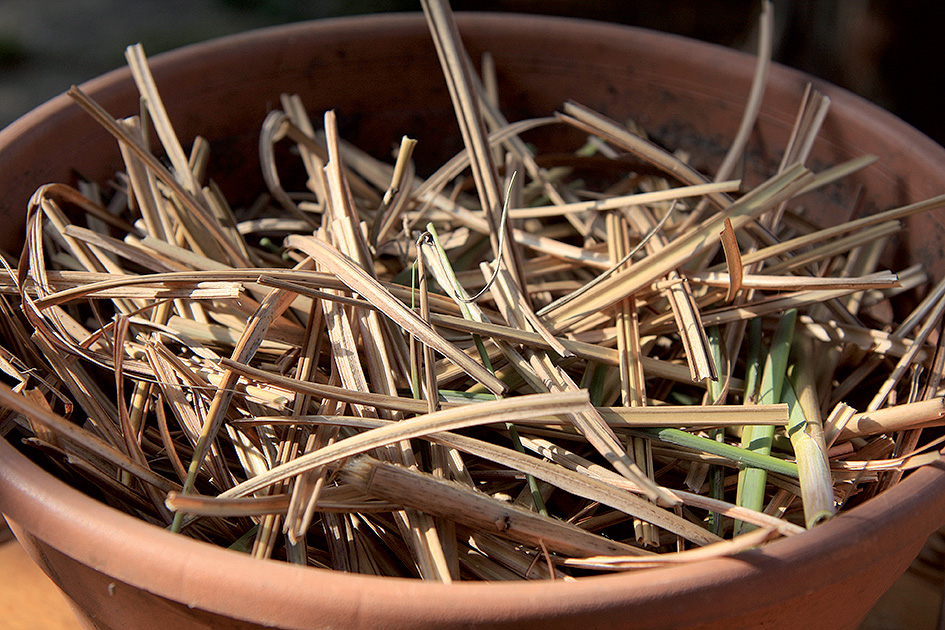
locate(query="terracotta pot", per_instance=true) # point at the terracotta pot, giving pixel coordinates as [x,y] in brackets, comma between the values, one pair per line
[382,77]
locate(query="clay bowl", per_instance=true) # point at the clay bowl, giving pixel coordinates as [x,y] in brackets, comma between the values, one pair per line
[381,76]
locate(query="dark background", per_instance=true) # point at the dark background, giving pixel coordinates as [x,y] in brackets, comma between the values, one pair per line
[889,52]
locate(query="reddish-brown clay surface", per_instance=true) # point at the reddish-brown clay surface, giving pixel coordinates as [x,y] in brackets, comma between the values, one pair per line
[381,76]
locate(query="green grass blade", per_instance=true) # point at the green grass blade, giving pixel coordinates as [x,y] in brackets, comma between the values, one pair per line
[753,480]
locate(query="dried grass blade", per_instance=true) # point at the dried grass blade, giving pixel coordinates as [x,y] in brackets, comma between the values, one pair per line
[856,225]
[358,280]
[839,171]
[759,82]
[173,392]
[396,195]
[716,550]
[252,337]
[306,489]
[128,251]
[345,355]
[474,509]
[64,195]
[311,144]
[427,191]
[138,64]
[301,125]
[338,499]
[186,389]
[836,422]
[452,57]
[581,485]
[434,255]
[516,310]
[903,463]
[183,289]
[695,416]
[691,329]
[902,417]
[591,488]
[129,429]
[766,282]
[632,379]
[69,431]
[100,473]
[622,418]
[502,410]
[611,269]
[68,287]
[733,260]
[320,390]
[573,462]
[833,247]
[935,310]
[517,149]
[89,256]
[755,308]
[418,528]
[494,558]
[143,185]
[683,304]
[653,367]
[309,486]
[613,203]
[593,427]
[611,131]
[83,387]
[272,131]
[187,200]
[681,249]
[810,117]
[537,242]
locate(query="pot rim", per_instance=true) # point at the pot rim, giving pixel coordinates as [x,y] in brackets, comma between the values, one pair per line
[47,508]
[67,519]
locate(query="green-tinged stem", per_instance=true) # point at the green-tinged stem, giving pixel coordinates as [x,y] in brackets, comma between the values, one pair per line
[753,480]
[805,428]
[752,377]
[245,542]
[465,307]
[716,394]
[414,357]
[596,382]
[729,451]
[753,366]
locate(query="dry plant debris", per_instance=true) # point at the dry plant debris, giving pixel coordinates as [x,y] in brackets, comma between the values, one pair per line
[499,371]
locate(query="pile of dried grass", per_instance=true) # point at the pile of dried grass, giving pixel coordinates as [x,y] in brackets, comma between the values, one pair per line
[633,374]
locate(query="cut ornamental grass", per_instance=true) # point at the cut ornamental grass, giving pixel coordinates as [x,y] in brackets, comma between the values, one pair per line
[519,366]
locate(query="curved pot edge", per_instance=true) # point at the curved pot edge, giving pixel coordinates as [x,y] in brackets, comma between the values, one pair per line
[49,509]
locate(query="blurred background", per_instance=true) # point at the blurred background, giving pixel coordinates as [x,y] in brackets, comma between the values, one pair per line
[887,51]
